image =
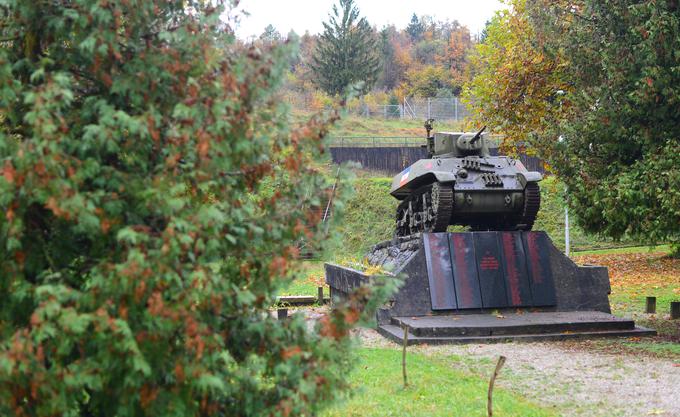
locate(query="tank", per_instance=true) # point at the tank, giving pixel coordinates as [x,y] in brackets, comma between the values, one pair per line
[460,183]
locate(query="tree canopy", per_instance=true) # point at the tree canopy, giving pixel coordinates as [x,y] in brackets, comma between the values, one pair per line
[594,88]
[152,194]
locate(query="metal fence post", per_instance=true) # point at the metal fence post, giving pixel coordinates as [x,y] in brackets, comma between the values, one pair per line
[455,106]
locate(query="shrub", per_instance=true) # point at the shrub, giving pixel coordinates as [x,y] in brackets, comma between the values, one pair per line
[138,257]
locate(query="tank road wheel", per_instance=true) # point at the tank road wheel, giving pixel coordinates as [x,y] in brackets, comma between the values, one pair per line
[403,218]
[428,209]
[532,203]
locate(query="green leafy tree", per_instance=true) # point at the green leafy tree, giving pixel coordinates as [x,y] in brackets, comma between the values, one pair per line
[593,87]
[621,136]
[152,191]
[347,52]
[430,81]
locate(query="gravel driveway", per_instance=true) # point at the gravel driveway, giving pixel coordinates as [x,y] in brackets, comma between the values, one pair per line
[574,381]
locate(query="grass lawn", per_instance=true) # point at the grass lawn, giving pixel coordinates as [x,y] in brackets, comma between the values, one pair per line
[362,126]
[635,275]
[662,249]
[307,282]
[438,386]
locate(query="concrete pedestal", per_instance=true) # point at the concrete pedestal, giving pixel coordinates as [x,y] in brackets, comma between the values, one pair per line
[454,282]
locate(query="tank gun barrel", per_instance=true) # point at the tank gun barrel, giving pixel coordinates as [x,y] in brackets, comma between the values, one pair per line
[478,136]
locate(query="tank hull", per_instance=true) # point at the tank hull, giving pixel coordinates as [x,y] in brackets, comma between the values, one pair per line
[483,192]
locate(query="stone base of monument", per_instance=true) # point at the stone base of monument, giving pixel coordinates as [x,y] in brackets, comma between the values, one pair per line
[487,287]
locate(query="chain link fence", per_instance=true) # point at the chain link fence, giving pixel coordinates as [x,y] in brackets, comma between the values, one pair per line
[435,108]
[449,109]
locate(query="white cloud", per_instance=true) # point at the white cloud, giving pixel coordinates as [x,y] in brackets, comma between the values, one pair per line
[302,15]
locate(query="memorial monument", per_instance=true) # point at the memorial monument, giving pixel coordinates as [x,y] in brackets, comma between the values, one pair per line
[500,281]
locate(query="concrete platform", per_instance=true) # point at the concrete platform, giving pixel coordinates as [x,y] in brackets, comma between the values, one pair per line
[522,327]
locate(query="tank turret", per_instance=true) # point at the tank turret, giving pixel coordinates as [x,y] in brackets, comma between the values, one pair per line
[461,183]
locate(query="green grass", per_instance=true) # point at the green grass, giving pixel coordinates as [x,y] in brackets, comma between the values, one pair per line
[362,126]
[368,217]
[438,386]
[632,299]
[308,280]
[630,249]
[661,348]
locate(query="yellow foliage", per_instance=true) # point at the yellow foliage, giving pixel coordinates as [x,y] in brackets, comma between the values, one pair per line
[517,89]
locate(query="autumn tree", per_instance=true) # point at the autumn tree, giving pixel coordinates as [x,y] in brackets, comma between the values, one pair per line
[455,53]
[347,52]
[516,83]
[620,137]
[430,81]
[152,194]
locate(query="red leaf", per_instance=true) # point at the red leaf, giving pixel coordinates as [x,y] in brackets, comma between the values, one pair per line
[9,172]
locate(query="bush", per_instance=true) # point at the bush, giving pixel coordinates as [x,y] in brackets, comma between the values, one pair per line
[138,255]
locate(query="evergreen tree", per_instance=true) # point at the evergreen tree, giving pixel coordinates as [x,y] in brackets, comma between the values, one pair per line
[415,29]
[347,52]
[388,75]
[142,239]
[271,36]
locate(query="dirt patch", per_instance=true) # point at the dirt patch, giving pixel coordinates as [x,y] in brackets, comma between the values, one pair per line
[576,382]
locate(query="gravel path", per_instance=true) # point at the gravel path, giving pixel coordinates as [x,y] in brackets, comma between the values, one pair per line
[576,382]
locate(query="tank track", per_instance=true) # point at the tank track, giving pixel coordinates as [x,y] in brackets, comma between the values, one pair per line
[532,203]
[429,209]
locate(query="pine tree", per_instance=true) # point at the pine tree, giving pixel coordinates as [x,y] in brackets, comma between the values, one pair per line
[142,241]
[415,28]
[388,75]
[347,52]
[271,36]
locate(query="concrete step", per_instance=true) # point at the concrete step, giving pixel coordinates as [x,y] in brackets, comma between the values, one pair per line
[396,333]
[509,324]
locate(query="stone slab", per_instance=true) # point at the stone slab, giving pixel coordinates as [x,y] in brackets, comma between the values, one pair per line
[513,323]
[439,271]
[395,333]
[517,286]
[462,249]
[539,269]
[490,270]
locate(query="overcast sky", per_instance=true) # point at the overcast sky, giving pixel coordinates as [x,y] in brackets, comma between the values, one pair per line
[302,15]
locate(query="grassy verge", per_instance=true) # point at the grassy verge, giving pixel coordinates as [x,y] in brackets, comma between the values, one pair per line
[635,276]
[362,126]
[308,280]
[664,249]
[437,387]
